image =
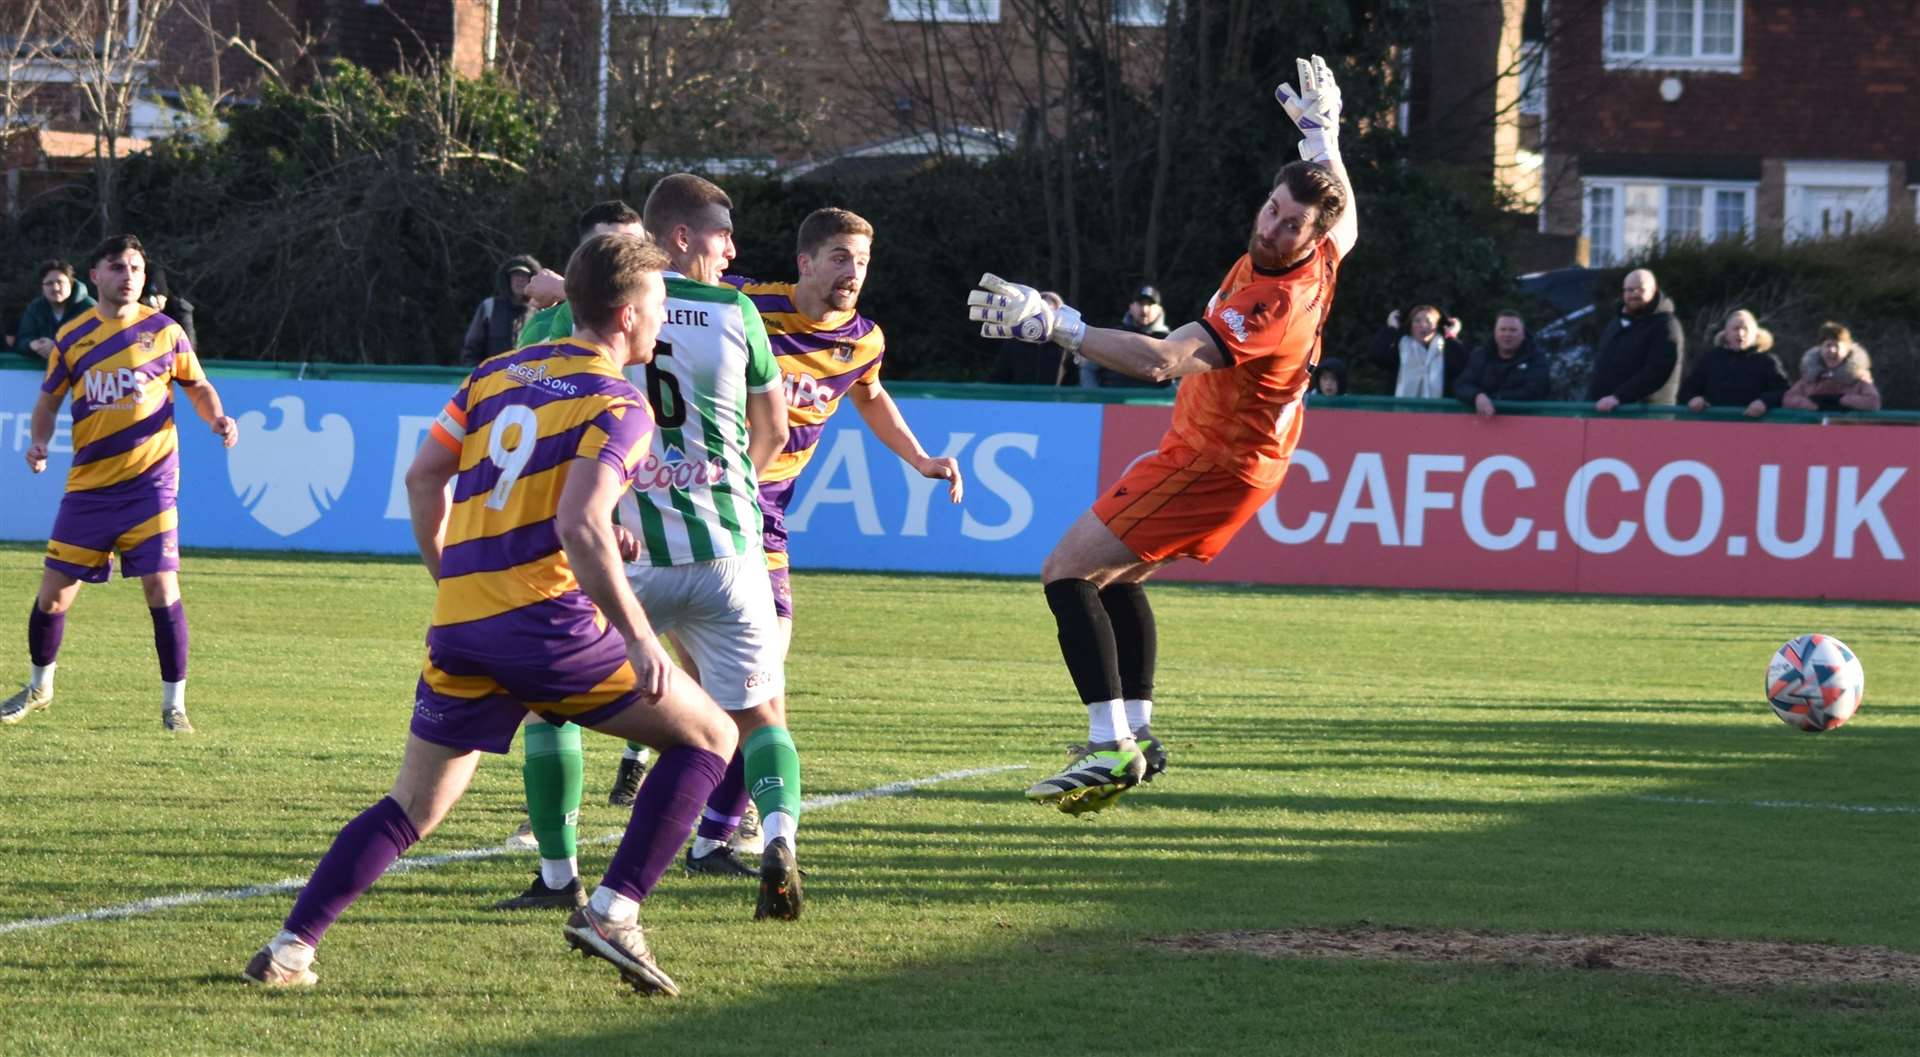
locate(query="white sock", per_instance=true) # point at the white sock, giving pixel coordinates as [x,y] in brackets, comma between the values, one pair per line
[612,905]
[1139,713]
[173,696]
[704,846]
[42,677]
[642,754]
[291,951]
[1107,721]
[558,873]
[780,826]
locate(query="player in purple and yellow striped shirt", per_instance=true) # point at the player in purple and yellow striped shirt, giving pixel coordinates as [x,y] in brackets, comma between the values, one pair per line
[827,351]
[120,360]
[534,614]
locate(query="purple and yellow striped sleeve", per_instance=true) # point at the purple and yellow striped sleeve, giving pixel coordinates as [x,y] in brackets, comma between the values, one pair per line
[58,378]
[618,436]
[186,362]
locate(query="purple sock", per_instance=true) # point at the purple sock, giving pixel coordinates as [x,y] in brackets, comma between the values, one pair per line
[360,854]
[170,641]
[670,799]
[43,636]
[728,802]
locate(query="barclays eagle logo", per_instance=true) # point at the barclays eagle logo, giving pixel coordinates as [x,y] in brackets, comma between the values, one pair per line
[288,476]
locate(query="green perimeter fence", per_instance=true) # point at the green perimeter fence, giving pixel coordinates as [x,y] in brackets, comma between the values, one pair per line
[450,376]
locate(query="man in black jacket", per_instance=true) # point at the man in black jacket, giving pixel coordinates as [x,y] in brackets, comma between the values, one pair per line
[1638,357]
[1508,368]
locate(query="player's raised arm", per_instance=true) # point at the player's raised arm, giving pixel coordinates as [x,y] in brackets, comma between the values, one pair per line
[1010,310]
[1315,111]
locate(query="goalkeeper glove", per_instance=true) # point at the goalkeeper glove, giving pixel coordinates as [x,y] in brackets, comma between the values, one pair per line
[1010,310]
[1315,109]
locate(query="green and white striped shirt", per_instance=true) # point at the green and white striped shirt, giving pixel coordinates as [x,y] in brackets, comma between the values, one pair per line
[694,498]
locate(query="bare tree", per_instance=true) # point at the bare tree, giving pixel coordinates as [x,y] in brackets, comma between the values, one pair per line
[109,46]
[23,48]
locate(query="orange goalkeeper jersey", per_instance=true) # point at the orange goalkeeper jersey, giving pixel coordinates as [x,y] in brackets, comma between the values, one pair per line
[1268,325]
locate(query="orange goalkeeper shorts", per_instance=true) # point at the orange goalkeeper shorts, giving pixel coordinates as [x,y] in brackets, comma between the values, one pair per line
[1174,503]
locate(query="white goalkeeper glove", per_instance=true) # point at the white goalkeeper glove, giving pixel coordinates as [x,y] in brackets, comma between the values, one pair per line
[1010,310]
[1315,109]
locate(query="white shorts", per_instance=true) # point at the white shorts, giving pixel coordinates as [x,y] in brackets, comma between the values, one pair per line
[721,612]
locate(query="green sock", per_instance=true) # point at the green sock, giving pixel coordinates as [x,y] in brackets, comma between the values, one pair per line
[773,778]
[635,746]
[555,776]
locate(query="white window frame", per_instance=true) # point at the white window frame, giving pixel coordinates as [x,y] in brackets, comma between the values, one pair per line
[1645,59]
[943,10]
[678,8]
[1150,14]
[1709,211]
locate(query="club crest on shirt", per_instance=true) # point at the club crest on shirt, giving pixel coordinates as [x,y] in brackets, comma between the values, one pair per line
[843,352]
[146,341]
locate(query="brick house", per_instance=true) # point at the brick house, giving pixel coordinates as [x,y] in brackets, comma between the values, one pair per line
[1716,118]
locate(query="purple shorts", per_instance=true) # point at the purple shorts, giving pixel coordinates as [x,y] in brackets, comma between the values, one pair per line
[470,697]
[774,497]
[141,524]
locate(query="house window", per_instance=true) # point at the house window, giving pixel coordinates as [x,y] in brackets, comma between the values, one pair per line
[1140,12]
[943,10]
[678,8]
[1626,217]
[1730,213]
[1533,77]
[1601,247]
[1673,34]
[1683,212]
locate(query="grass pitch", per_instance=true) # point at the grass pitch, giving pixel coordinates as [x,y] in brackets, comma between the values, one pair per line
[1513,763]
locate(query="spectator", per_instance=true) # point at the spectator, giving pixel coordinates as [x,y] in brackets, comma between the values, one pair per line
[1329,379]
[178,309]
[1426,359]
[1739,369]
[1835,375]
[61,298]
[496,323]
[1024,363]
[1508,368]
[1145,315]
[1637,359]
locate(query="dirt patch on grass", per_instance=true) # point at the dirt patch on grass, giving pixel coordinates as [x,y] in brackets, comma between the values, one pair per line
[1716,963]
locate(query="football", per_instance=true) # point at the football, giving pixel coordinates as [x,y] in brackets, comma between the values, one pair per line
[1815,683]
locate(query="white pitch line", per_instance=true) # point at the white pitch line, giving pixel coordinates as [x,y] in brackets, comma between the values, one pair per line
[428,862]
[1805,805]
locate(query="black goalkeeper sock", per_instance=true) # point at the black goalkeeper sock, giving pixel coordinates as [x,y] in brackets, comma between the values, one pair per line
[1086,639]
[1136,640]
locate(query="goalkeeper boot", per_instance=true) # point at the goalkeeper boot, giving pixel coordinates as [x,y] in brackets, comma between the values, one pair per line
[621,944]
[30,699]
[539,896]
[1154,750]
[626,782]
[1095,775]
